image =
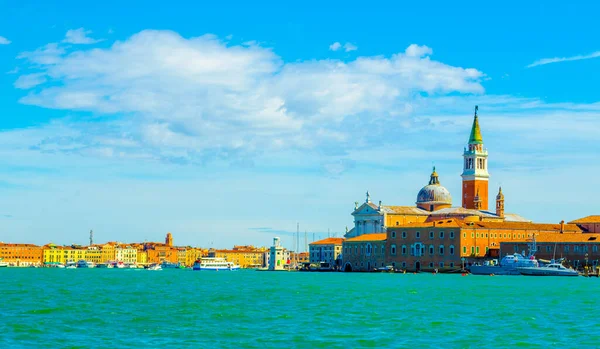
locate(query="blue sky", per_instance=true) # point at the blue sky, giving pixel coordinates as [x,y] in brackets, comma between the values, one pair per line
[228,123]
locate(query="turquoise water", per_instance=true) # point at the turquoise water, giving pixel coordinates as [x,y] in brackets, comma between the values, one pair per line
[104,308]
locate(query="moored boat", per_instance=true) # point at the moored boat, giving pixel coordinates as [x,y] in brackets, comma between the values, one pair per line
[552,269]
[214,264]
[508,265]
[85,264]
[154,267]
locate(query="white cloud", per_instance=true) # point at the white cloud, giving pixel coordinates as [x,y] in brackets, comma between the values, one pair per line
[335,46]
[347,46]
[45,55]
[79,36]
[544,61]
[30,80]
[4,41]
[415,50]
[350,47]
[201,96]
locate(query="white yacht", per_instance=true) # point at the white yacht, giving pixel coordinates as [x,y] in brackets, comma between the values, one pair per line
[508,265]
[552,269]
[85,264]
[71,265]
[3,264]
[214,264]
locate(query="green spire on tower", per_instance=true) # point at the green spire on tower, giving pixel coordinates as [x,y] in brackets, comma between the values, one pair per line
[475,137]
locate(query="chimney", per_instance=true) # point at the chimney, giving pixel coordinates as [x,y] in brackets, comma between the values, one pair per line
[562,226]
[379,204]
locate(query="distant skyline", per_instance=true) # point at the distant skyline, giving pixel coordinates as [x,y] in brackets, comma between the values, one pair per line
[227,123]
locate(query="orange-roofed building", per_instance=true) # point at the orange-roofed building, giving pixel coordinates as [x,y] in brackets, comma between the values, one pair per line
[326,251]
[364,253]
[589,224]
[21,254]
[443,244]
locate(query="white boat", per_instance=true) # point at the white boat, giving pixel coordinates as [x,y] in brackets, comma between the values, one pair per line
[155,267]
[508,265]
[3,264]
[214,264]
[131,266]
[104,265]
[71,265]
[85,264]
[119,265]
[552,269]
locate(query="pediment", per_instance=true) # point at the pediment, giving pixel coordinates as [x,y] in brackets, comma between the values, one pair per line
[367,208]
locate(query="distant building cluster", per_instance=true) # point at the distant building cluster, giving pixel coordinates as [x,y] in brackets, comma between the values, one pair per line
[434,235]
[147,253]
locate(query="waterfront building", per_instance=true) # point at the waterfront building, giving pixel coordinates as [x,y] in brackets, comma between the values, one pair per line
[93,254]
[53,254]
[192,254]
[364,253]
[159,252]
[21,254]
[108,252]
[244,256]
[589,224]
[326,251]
[446,244]
[125,253]
[277,256]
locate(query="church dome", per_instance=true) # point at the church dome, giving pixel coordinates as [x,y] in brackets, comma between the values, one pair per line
[434,196]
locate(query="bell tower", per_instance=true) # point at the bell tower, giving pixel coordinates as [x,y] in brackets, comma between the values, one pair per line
[500,203]
[475,174]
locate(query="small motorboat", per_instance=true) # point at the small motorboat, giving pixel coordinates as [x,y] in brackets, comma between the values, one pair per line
[552,269]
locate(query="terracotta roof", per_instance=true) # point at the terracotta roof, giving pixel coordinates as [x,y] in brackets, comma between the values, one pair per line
[553,237]
[369,237]
[588,219]
[328,241]
[568,228]
[409,210]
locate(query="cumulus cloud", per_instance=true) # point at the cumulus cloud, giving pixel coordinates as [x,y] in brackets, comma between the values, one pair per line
[79,37]
[544,61]
[335,46]
[189,98]
[4,41]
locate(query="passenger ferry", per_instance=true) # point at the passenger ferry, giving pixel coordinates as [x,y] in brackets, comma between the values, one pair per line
[214,264]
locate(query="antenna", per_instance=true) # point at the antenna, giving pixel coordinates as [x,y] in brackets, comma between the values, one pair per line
[297,237]
[91,237]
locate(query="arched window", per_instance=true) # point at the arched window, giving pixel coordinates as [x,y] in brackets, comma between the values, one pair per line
[393,250]
[404,249]
[441,250]
[451,249]
[431,250]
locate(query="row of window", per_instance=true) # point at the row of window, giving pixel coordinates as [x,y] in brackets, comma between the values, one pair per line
[566,248]
[418,249]
[431,264]
[367,249]
[418,235]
